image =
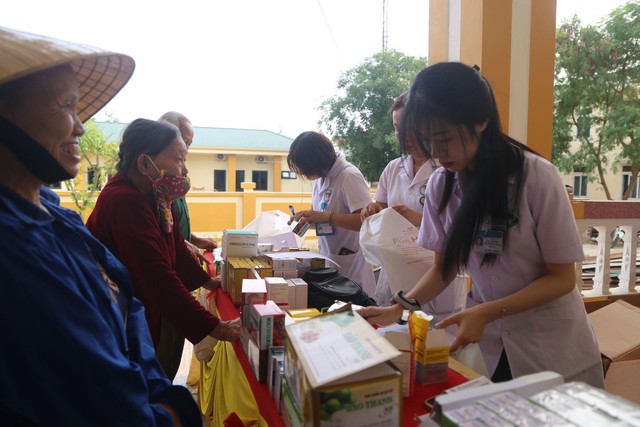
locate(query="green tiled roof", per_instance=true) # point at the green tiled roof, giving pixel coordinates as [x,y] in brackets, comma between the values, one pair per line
[218,137]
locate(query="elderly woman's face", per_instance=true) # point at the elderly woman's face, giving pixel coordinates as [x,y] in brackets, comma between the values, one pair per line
[46,111]
[173,158]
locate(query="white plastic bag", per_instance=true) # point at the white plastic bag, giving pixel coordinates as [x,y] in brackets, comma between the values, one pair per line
[272,227]
[389,239]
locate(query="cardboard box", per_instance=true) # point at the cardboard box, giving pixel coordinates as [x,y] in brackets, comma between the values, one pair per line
[277,290]
[254,291]
[266,325]
[302,292]
[275,370]
[291,414]
[435,367]
[370,397]
[258,358]
[337,371]
[283,263]
[404,362]
[617,328]
[239,243]
[286,274]
[238,269]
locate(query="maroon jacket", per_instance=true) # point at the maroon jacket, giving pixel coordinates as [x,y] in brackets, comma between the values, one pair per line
[162,269]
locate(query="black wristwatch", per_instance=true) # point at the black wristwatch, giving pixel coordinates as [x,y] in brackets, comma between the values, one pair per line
[406,303]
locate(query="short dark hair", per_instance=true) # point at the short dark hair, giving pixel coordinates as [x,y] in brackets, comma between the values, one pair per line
[144,136]
[311,154]
[398,103]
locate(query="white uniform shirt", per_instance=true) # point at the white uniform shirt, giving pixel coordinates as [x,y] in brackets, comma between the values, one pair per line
[399,186]
[556,336]
[344,190]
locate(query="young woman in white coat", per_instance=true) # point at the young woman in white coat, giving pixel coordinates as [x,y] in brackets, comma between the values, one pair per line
[500,210]
[402,186]
[339,193]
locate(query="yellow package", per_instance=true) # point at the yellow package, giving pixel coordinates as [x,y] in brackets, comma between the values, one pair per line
[418,328]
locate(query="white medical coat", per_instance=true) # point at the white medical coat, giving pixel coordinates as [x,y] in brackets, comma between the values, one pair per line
[555,336]
[399,186]
[344,190]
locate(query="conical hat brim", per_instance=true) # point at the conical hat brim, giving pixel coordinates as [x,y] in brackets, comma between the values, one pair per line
[101,74]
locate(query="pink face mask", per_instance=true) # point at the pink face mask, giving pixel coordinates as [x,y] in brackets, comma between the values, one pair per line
[168,188]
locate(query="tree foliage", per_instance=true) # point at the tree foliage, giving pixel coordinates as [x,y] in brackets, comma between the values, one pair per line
[359,119]
[596,94]
[99,157]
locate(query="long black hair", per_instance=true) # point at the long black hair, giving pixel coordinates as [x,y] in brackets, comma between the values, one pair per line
[456,94]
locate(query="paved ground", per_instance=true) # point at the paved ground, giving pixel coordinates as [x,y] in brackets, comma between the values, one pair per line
[183,371]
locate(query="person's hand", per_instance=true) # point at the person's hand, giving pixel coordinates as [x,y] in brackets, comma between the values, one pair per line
[213,283]
[311,217]
[381,316]
[196,253]
[227,330]
[471,323]
[203,242]
[370,209]
[412,216]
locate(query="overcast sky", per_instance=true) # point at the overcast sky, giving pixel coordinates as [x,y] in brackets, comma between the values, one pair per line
[252,64]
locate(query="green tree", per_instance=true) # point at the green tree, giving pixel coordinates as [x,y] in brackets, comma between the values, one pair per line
[623,27]
[359,120]
[99,156]
[596,94]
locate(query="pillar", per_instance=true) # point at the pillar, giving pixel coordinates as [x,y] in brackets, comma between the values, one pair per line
[513,43]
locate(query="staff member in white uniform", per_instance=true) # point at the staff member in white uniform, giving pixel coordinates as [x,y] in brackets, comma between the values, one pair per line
[339,193]
[501,211]
[402,185]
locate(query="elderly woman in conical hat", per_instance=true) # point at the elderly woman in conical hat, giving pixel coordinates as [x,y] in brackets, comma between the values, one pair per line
[76,348]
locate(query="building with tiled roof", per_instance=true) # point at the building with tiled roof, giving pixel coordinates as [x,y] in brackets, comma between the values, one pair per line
[220,159]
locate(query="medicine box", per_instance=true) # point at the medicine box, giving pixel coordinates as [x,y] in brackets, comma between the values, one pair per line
[238,269]
[283,263]
[286,274]
[239,243]
[337,372]
[404,362]
[435,365]
[301,292]
[266,325]
[254,291]
[277,290]
[258,358]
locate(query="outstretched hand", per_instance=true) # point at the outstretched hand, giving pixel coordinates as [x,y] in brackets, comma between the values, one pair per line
[227,330]
[213,283]
[203,242]
[381,316]
[471,323]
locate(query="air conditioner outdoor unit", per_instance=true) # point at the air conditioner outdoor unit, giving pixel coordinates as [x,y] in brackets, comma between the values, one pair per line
[261,159]
[221,157]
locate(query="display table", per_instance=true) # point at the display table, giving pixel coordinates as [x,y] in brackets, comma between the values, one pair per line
[253,399]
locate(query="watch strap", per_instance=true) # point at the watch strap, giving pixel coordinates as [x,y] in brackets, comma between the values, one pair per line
[406,303]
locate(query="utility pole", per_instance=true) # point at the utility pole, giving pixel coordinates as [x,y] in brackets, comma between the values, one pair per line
[385,35]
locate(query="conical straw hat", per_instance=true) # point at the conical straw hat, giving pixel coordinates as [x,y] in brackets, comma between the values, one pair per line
[100,74]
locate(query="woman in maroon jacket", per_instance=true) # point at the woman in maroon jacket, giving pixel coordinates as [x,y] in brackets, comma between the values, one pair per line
[133,217]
